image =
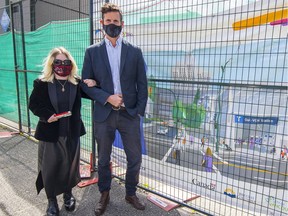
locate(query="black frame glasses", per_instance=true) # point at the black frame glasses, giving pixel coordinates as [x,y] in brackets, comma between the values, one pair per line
[58,62]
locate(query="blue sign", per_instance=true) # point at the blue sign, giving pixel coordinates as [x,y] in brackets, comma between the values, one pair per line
[255,120]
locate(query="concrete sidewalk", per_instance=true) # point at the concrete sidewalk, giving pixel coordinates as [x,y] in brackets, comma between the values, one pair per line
[18,171]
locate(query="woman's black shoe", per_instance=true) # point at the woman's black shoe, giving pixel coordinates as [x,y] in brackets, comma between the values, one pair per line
[52,209]
[69,202]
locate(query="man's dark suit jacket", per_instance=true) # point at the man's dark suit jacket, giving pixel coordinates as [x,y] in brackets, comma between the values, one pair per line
[43,103]
[133,79]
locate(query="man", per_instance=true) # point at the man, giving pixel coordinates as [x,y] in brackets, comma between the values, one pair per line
[120,99]
[203,141]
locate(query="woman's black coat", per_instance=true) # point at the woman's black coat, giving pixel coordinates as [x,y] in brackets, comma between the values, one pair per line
[43,103]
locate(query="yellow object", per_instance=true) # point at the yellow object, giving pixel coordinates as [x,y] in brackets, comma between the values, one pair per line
[174,154]
[259,20]
[209,152]
[149,90]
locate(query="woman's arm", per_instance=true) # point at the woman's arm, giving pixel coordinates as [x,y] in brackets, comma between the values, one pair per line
[38,101]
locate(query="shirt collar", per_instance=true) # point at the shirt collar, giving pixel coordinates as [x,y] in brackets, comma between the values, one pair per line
[118,41]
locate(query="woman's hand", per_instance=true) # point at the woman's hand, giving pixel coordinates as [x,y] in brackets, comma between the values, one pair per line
[52,119]
[90,82]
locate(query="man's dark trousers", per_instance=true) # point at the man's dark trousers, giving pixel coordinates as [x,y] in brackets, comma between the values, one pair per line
[129,129]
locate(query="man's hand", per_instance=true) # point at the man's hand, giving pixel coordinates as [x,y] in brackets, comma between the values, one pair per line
[90,82]
[115,100]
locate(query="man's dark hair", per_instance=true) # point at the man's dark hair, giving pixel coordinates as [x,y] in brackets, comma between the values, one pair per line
[110,7]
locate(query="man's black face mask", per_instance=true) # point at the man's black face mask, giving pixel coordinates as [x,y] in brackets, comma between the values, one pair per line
[112,30]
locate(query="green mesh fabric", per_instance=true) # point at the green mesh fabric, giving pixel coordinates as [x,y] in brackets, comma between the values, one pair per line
[73,35]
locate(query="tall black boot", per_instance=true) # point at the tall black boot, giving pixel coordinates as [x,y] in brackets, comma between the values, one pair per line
[52,209]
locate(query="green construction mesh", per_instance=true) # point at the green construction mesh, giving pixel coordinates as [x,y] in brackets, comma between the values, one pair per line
[73,35]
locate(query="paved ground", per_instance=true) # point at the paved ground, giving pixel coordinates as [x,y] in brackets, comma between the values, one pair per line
[18,170]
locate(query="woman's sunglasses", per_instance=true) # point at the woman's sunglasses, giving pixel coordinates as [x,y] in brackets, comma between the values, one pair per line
[58,62]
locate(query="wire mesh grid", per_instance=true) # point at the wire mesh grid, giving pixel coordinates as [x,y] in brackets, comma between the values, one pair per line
[215,126]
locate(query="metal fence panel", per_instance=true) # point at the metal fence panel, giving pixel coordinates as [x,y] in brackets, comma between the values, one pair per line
[217,90]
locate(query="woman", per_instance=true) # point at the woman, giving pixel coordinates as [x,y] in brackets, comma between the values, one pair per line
[57,91]
[207,161]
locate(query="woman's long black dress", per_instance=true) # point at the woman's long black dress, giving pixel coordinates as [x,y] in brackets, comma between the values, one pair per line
[58,162]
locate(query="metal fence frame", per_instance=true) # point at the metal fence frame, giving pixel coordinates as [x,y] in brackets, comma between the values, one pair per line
[280,89]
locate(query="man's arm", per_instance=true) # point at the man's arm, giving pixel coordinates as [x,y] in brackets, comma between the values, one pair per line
[142,84]
[95,93]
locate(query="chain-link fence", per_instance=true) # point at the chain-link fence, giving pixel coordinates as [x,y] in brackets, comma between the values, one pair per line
[217,73]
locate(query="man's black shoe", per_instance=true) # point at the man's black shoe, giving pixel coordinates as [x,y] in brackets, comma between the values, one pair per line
[135,202]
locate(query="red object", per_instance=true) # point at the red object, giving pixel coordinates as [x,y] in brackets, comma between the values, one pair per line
[165,204]
[85,171]
[87,182]
[63,114]
[280,22]
[4,134]
[91,162]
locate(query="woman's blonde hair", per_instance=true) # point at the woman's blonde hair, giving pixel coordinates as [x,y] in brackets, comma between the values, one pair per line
[209,152]
[47,72]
